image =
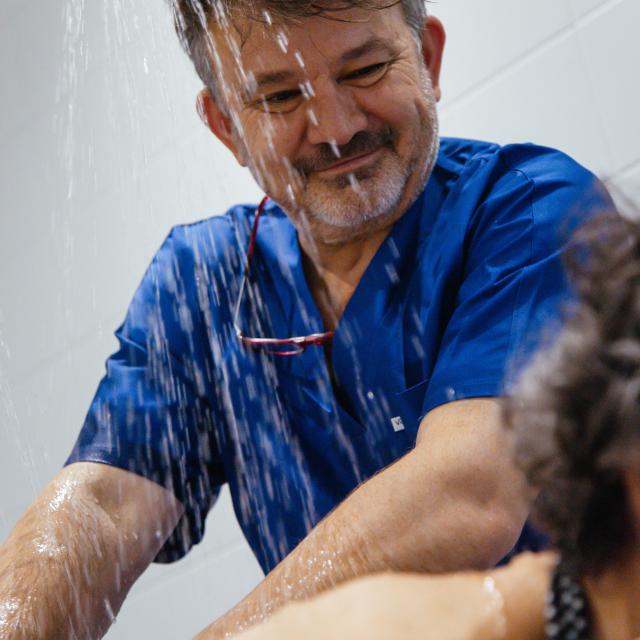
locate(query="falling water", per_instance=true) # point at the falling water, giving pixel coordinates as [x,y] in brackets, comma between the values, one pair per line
[114,79]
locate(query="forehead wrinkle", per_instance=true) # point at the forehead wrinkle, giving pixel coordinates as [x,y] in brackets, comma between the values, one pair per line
[371,37]
[372,42]
[372,45]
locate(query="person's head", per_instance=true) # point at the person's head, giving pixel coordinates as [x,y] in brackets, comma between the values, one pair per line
[296,87]
[575,413]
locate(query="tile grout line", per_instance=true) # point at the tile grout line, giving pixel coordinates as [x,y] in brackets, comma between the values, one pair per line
[540,48]
[579,25]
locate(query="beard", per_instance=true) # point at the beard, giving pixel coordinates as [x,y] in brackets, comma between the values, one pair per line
[351,199]
[372,193]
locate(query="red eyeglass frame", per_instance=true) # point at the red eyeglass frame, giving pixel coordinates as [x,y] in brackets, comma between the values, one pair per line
[273,346]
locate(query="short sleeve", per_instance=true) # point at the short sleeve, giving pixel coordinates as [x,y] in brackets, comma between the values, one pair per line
[513,287]
[151,414]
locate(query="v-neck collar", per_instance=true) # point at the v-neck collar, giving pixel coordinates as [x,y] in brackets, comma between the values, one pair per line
[364,321]
[364,315]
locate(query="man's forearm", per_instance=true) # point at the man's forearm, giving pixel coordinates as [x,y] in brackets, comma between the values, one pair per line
[375,529]
[47,571]
[339,548]
[423,513]
[71,559]
[507,603]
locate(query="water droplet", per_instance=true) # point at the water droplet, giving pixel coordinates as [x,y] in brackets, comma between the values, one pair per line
[307,90]
[283,41]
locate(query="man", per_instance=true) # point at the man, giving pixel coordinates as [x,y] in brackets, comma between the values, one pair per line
[409,278]
[574,422]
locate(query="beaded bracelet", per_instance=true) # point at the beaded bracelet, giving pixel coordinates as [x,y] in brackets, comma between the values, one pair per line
[567,611]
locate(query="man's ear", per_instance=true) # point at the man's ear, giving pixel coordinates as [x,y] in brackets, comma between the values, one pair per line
[216,119]
[434,38]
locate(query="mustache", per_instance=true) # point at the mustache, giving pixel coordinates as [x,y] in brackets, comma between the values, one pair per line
[363,142]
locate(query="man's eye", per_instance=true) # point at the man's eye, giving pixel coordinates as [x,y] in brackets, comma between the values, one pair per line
[368,72]
[282,96]
[280,101]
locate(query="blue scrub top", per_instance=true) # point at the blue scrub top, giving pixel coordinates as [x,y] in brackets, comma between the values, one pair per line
[449,307]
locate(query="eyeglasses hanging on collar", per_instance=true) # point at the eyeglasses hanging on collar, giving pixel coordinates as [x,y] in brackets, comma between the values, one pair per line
[276,346]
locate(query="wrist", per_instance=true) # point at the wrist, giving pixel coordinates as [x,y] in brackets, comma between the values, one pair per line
[524,584]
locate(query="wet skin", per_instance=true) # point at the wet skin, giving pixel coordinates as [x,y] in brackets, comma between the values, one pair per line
[338,126]
[358,73]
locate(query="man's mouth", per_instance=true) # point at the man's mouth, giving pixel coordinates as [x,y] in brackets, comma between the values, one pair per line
[351,164]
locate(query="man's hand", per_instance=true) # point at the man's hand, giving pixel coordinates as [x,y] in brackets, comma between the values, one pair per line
[71,559]
[455,502]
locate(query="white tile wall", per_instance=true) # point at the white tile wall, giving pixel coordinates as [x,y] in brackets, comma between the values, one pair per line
[9,7]
[484,38]
[106,108]
[626,191]
[31,34]
[542,99]
[581,7]
[609,45]
[155,609]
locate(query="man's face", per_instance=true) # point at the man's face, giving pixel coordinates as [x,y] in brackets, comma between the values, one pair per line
[335,118]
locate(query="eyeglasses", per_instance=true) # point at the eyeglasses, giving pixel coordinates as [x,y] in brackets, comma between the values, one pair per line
[275,346]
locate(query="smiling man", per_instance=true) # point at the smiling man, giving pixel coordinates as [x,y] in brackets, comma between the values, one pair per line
[335,355]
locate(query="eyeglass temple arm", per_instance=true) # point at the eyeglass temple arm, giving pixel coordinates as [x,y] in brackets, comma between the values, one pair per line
[254,230]
[250,249]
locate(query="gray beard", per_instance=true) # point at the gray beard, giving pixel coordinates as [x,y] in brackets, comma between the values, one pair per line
[381,201]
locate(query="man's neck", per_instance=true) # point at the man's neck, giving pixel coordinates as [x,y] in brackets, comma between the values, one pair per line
[334,271]
[614,597]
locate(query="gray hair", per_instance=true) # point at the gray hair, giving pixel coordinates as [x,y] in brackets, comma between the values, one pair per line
[193,17]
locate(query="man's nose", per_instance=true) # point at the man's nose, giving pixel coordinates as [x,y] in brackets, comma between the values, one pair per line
[334,115]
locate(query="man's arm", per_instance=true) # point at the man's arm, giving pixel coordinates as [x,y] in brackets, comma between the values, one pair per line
[454,502]
[71,559]
[507,603]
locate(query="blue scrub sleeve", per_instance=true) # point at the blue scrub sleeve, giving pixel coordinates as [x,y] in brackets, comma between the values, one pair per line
[513,288]
[150,414]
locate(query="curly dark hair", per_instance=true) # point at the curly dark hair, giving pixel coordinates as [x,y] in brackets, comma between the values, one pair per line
[575,413]
[193,17]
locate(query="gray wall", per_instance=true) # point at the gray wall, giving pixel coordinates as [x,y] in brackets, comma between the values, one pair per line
[101,152]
